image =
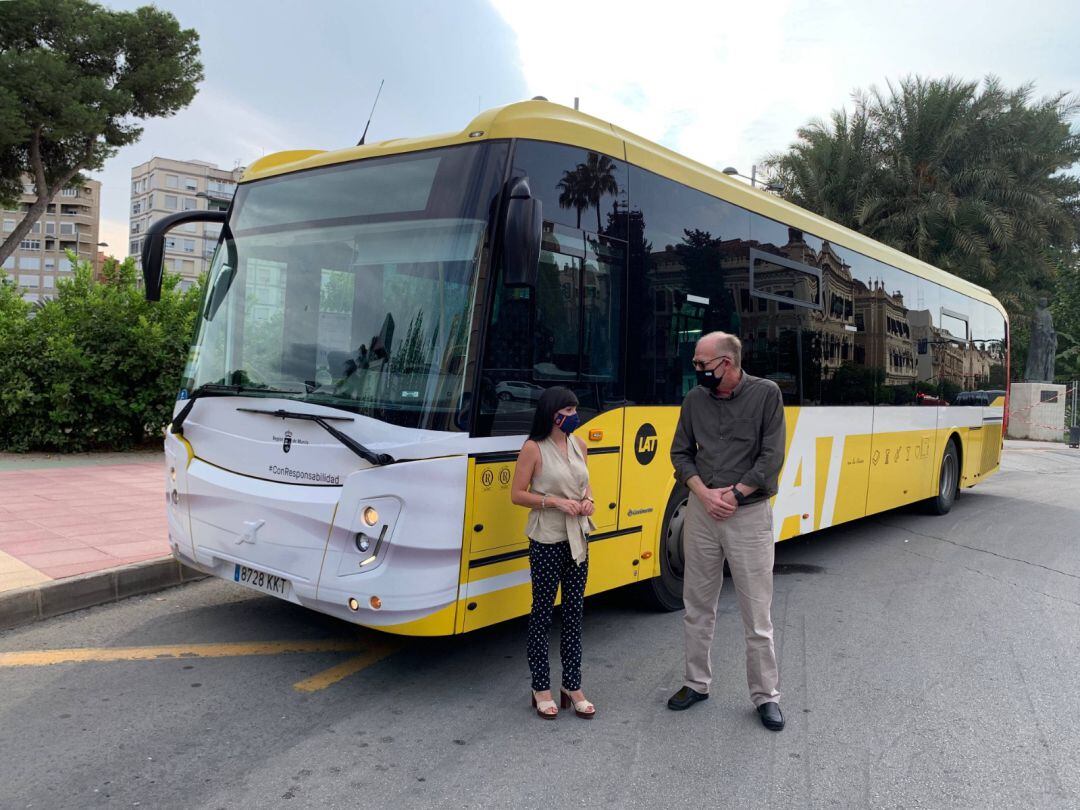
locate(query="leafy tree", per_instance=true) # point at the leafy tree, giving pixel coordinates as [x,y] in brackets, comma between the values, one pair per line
[700,255]
[75,80]
[973,179]
[411,356]
[1066,311]
[96,367]
[337,291]
[853,384]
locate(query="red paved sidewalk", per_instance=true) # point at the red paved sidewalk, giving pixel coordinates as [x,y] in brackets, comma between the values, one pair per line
[60,521]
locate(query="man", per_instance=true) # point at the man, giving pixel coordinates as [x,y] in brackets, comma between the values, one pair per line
[728,450]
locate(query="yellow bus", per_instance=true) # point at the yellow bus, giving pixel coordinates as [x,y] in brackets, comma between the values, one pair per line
[380,320]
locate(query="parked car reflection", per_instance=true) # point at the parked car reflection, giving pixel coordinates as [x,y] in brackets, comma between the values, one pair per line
[514,389]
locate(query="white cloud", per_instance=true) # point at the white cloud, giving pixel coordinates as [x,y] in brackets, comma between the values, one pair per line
[727,83]
[216,127]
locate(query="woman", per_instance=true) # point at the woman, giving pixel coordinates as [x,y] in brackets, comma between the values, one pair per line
[551,478]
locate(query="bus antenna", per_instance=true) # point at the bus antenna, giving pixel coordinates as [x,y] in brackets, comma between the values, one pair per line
[368,124]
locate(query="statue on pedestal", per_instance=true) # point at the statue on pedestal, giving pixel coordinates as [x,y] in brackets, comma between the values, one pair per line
[1042,351]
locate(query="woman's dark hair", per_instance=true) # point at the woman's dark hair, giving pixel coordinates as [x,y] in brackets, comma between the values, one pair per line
[550,403]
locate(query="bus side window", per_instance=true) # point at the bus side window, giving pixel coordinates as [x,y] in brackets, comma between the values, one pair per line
[556,340]
[568,331]
[687,276]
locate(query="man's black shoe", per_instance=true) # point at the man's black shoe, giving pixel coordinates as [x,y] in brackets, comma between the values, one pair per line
[770,716]
[685,698]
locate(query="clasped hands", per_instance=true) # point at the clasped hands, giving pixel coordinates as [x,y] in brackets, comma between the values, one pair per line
[720,503]
[584,507]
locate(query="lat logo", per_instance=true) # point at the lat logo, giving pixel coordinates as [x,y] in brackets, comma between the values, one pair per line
[252,528]
[286,443]
[645,444]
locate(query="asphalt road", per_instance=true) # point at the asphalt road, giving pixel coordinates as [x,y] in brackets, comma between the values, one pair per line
[925,662]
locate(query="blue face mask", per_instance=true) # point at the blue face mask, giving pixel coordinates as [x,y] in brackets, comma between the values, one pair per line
[568,424]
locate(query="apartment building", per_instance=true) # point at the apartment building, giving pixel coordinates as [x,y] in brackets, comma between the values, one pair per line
[70,222]
[162,186]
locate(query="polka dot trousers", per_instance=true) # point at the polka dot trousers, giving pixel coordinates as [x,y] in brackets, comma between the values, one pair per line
[550,564]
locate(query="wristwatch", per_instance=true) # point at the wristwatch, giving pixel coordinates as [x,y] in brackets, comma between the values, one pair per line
[740,499]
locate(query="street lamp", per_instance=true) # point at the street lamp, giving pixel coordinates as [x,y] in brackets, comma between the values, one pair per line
[78,241]
[775,187]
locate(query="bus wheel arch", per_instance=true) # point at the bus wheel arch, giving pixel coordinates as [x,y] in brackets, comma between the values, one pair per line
[955,438]
[948,481]
[664,591]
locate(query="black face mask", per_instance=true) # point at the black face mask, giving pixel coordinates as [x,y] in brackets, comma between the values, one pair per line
[708,379]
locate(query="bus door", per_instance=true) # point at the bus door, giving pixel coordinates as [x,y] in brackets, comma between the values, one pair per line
[577,341]
[601,392]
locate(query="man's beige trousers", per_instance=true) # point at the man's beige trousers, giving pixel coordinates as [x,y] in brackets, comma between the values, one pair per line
[745,540]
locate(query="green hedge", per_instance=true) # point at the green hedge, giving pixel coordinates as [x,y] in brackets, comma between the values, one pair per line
[96,367]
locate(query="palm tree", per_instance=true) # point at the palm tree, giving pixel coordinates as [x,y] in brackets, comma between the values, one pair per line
[828,169]
[598,178]
[585,185]
[970,178]
[572,191]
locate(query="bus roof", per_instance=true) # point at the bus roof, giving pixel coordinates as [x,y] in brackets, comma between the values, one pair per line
[545,121]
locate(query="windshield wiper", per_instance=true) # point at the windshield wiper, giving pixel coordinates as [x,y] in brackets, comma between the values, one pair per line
[378,459]
[217,390]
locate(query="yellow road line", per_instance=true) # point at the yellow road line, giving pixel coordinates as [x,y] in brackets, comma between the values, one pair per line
[343,670]
[41,658]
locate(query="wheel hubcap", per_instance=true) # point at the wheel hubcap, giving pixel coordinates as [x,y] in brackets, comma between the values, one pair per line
[948,477]
[673,545]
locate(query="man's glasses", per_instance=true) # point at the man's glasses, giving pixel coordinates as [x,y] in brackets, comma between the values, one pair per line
[701,365]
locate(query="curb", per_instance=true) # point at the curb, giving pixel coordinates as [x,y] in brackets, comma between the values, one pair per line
[28,605]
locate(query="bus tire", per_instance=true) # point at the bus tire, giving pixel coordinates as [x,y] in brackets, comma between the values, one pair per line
[664,592]
[948,481]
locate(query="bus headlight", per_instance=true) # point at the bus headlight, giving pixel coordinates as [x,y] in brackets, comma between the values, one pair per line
[370,515]
[363,542]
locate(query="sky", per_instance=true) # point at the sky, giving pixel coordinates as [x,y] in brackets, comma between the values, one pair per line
[724,83]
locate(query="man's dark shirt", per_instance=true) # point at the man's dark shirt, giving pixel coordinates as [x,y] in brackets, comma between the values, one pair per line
[738,440]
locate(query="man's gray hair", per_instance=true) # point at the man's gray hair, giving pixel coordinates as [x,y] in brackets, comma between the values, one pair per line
[725,344]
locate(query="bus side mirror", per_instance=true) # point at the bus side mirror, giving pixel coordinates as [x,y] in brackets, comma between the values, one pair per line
[521,236]
[153,252]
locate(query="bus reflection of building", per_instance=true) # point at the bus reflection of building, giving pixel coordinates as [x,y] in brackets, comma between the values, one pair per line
[857,324]
[977,364]
[884,337]
[941,355]
[826,334]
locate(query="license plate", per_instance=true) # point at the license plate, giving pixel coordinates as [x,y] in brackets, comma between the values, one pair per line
[261,581]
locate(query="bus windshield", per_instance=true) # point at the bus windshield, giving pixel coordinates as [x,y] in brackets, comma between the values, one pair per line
[351,287]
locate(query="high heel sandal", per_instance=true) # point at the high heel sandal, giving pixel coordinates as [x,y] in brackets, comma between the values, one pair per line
[543,708]
[582,708]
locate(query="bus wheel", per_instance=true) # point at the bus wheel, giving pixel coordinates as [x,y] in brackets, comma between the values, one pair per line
[948,482]
[664,592]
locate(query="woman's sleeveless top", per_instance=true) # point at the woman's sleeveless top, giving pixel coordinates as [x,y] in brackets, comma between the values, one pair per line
[561,475]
